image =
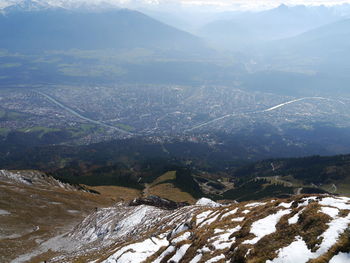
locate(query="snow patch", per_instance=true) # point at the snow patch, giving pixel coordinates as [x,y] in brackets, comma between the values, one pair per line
[265,226]
[215,259]
[183,237]
[202,216]
[207,202]
[179,253]
[336,227]
[196,259]
[166,252]
[285,205]
[237,219]
[211,220]
[340,203]
[332,212]
[4,212]
[137,252]
[297,251]
[294,219]
[232,212]
[341,258]
[254,204]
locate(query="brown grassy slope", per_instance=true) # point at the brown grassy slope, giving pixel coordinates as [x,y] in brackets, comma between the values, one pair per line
[38,213]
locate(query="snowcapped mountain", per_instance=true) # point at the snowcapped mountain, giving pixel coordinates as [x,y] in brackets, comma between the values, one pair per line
[27,5]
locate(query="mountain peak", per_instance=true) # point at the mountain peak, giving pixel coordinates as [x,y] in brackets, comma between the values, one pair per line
[28,6]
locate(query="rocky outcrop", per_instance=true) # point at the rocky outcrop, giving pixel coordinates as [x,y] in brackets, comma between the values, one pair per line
[159,202]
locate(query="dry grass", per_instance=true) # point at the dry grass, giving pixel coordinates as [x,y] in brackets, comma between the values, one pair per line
[38,213]
[170,175]
[169,191]
[117,193]
[312,224]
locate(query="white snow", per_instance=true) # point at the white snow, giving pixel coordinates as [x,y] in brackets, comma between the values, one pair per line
[285,205]
[202,216]
[296,252]
[340,203]
[110,223]
[294,219]
[330,237]
[179,253]
[232,212]
[215,259]
[180,228]
[207,202]
[245,211]
[196,259]
[341,258]
[265,226]
[137,252]
[166,252]
[254,204]
[223,241]
[183,237]
[332,212]
[218,230]
[211,220]
[307,200]
[238,219]
[13,176]
[4,212]
[73,211]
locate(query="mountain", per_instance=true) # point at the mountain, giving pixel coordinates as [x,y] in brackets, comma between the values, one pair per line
[27,6]
[314,62]
[314,173]
[51,44]
[253,28]
[41,29]
[68,228]
[326,41]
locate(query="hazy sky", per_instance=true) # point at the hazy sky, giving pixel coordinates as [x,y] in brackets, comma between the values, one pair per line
[217,4]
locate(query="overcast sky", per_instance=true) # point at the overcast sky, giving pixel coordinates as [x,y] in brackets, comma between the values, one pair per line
[216,4]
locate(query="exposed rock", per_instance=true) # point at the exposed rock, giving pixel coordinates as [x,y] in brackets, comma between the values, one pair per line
[157,201]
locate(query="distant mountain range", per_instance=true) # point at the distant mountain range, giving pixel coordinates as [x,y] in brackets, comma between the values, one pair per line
[251,28]
[34,27]
[313,62]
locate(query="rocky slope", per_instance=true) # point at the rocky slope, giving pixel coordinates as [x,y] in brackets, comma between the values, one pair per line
[303,228]
[299,229]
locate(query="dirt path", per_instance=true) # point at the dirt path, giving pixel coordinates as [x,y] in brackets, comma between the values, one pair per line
[146,191]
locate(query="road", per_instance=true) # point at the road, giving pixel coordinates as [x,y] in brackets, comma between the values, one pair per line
[255,112]
[51,99]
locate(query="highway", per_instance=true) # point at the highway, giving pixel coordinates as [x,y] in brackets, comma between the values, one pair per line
[51,99]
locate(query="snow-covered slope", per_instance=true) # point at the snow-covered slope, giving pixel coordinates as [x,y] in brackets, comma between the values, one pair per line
[292,230]
[33,178]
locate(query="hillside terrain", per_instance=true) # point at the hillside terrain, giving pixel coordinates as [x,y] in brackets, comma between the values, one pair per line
[71,225]
[183,170]
[35,207]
